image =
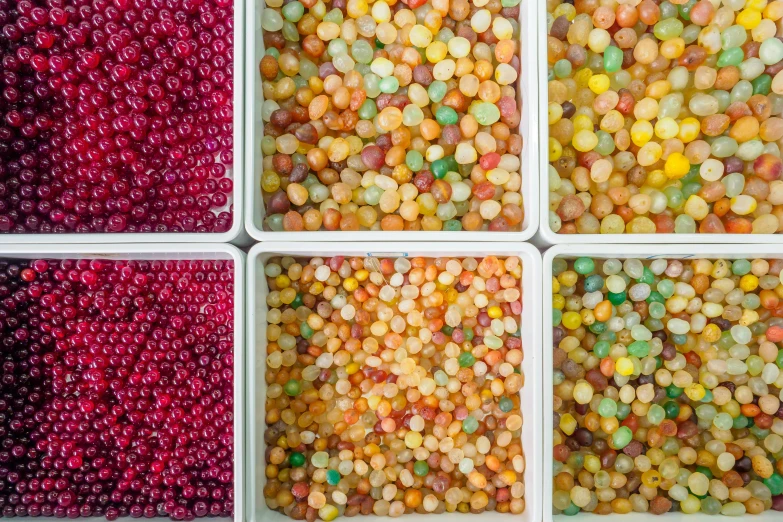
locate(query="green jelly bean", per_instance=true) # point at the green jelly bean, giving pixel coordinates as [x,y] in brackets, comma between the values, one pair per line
[593,283]
[775,484]
[485,113]
[446,115]
[616,298]
[584,265]
[421,468]
[414,160]
[296,459]
[436,91]
[762,84]
[505,404]
[607,408]
[601,349]
[333,477]
[639,349]
[656,414]
[562,68]
[466,360]
[452,225]
[390,84]
[671,409]
[470,424]
[668,29]
[733,56]
[293,12]
[622,437]
[439,168]
[292,388]
[306,331]
[613,59]
[673,391]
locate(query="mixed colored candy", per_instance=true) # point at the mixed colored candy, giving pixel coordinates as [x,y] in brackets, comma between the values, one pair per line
[667,386]
[393,386]
[665,116]
[391,115]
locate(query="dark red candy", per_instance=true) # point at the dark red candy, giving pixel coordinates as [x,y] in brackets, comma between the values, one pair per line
[423,181]
[117,388]
[499,224]
[117,116]
[373,157]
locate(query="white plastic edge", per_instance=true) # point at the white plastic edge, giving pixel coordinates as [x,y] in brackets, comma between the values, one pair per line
[527,88]
[256,510]
[175,251]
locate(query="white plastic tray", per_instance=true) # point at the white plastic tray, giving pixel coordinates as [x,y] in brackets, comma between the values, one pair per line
[236,173]
[177,251]
[527,90]
[530,395]
[550,237]
[624,252]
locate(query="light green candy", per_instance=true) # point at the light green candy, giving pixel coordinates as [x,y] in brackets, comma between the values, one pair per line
[293,12]
[361,51]
[493,342]
[336,47]
[734,36]
[734,184]
[320,459]
[271,20]
[668,29]
[656,414]
[485,113]
[723,421]
[335,15]
[724,146]
[771,51]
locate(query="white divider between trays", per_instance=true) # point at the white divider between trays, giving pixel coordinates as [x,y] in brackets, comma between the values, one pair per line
[177,251]
[530,395]
[621,252]
[527,94]
[236,234]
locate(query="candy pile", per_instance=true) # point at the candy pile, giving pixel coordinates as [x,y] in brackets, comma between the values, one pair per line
[665,116]
[116,389]
[667,386]
[116,115]
[401,117]
[393,386]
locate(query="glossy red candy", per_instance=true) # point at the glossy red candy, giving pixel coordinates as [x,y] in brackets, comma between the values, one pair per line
[117,388]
